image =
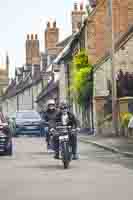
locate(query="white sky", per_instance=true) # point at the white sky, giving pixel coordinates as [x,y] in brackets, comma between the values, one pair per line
[19,17]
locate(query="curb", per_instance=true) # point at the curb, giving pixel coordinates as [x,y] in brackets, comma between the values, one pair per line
[108,148]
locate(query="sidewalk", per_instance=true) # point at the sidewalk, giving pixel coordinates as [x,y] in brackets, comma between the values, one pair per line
[119,145]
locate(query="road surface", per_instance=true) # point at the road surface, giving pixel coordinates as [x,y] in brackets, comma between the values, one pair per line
[32,174]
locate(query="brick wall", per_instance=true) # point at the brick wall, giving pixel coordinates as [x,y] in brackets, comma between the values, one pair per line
[99,26]
[130,12]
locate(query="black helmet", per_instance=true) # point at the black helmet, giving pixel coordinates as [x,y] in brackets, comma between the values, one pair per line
[64,106]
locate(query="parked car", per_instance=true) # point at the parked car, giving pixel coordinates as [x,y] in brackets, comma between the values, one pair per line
[5,136]
[28,123]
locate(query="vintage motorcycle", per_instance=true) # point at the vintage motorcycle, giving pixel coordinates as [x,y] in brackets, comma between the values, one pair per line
[63,134]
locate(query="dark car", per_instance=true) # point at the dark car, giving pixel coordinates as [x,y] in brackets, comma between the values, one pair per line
[28,123]
[5,136]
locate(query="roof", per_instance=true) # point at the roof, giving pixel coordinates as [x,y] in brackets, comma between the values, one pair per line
[14,89]
[48,89]
[10,87]
[64,42]
[66,49]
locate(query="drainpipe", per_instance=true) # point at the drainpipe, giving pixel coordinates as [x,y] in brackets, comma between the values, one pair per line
[92,116]
[32,98]
[17,103]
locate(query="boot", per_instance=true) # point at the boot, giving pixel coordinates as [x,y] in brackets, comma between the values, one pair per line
[56,156]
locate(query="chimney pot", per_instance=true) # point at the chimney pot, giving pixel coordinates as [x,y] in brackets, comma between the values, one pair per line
[32,36]
[54,24]
[36,37]
[28,37]
[81,6]
[48,25]
[75,6]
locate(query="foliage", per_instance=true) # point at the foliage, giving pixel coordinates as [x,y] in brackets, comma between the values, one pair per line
[125,118]
[81,87]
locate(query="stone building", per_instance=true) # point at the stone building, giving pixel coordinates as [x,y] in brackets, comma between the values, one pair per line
[4,76]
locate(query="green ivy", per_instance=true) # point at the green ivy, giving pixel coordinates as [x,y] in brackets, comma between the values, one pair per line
[81,86]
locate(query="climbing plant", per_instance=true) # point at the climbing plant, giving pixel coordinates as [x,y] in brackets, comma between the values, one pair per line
[81,83]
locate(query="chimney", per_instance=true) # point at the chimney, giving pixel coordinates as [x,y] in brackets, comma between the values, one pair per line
[93,3]
[28,51]
[35,50]
[77,17]
[32,50]
[51,37]
[7,64]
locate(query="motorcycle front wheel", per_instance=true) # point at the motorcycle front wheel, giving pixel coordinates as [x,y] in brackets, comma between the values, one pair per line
[66,154]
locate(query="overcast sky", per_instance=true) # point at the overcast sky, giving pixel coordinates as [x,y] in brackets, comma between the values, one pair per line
[19,17]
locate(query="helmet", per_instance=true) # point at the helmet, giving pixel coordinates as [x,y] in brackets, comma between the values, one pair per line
[64,106]
[51,102]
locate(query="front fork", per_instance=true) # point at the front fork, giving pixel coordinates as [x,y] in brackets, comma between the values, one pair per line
[65,150]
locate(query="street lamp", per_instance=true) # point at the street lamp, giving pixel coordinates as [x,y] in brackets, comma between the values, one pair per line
[113,76]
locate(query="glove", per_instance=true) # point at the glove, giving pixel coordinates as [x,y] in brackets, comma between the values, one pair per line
[52,130]
[78,129]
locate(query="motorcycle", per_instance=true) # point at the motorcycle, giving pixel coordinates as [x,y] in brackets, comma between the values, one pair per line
[63,133]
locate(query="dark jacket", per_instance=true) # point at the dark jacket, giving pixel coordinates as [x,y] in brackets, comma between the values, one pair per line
[50,116]
[72,119]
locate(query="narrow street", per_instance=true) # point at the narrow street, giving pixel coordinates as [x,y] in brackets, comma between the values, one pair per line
[33,174]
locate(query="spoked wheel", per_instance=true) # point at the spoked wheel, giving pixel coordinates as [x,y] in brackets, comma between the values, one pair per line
[66,155]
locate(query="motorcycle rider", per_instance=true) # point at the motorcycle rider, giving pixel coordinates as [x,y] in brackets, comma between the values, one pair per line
[64,114]
[49,116]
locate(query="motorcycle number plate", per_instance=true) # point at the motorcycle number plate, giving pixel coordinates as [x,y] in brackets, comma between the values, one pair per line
[65,137]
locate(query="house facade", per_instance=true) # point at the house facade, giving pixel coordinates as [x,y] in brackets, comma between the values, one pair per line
[102,76]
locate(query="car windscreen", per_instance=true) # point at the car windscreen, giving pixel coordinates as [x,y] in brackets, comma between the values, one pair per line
[27,115]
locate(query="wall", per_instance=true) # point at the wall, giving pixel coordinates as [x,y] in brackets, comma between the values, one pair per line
[124,61]
[99,28]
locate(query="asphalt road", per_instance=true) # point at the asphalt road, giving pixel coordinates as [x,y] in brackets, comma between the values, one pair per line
[32,174]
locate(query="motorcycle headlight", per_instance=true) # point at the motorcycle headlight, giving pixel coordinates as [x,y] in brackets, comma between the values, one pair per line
[52,130]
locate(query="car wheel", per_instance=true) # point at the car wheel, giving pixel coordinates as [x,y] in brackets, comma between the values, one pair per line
[9,151]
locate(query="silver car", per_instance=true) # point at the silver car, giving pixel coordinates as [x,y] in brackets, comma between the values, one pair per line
[28,123]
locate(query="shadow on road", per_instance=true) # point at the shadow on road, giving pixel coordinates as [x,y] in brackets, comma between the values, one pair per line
[40,153]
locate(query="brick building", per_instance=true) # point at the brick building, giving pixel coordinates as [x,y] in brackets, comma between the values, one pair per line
[4,76]
[98,27]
